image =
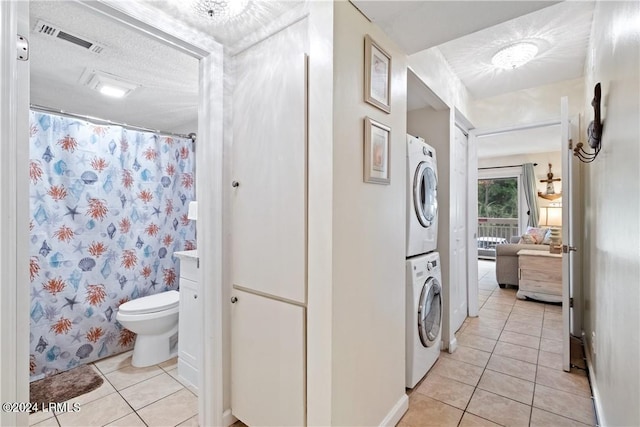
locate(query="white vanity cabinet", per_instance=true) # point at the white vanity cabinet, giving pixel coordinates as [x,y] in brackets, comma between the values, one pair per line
[190,318]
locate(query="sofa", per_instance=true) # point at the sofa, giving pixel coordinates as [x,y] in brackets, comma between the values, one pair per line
[507,260]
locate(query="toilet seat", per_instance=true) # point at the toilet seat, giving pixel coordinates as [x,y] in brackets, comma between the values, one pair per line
[151,304]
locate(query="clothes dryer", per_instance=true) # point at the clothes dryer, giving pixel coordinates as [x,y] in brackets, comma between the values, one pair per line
[422,202]
[424,315]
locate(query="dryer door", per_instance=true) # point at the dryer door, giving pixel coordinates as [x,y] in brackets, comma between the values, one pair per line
[429,312]
[425,188]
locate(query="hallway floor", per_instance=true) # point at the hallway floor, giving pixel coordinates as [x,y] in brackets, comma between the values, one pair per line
[130,397]
[507,369]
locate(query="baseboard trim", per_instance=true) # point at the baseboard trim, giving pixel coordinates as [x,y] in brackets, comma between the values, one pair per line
[227,418]
[396,413]
[453,345]
[597,403]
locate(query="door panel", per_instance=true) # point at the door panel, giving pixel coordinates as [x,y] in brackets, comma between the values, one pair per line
[269,159]
[458,281]
[567,229]
[267,344]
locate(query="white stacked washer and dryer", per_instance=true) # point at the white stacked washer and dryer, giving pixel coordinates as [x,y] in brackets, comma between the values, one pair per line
[424,288]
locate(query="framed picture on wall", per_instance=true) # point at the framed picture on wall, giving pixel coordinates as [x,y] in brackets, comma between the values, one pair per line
[377,75]
[376,152]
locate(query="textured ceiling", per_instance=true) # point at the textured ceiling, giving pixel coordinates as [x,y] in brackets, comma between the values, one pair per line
[561,32]
[168,94]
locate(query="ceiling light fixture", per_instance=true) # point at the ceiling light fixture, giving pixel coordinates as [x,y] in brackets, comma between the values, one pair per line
[514,55]
[221,10]
[109,85]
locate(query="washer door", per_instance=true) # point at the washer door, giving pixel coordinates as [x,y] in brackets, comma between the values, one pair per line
[425,189]
[429,312]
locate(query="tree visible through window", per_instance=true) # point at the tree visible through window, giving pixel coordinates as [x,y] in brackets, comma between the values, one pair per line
[498,198]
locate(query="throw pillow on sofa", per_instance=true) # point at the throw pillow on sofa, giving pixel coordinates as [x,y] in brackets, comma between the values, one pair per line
[535,235]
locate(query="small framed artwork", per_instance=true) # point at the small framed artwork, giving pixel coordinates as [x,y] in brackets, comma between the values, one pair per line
[377,75]
[376,152]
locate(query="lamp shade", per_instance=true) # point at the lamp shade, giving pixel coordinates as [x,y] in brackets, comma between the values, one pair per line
[551,215]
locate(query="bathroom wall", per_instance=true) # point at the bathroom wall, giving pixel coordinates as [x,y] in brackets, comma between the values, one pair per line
[108,207]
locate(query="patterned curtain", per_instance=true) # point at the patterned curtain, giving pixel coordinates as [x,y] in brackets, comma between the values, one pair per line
[108,208]
[530,194]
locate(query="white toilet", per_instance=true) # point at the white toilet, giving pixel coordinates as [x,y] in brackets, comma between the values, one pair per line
[154,319]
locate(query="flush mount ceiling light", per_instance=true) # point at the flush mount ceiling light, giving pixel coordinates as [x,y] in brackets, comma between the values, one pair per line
[515,55]
[110,85]
[221,10]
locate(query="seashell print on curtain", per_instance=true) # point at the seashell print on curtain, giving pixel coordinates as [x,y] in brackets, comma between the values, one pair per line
[108,208]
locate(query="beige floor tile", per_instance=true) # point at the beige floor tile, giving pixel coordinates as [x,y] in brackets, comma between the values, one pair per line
[51,422]
[499,409]
[114,363]
[492,314]
[531,305]
[459,371]
[424,411]
[131,420]
[572,382]
[484,292]
[446,390]
[500,299]
[550,360]
[527,311]
[552,334]
[190,387]
[487,322]
[520,339]
[476,341]
[148,391]
[131,375]
[553,308]
[552,346]
[513,367]
[40,416]
[170,411]
[97,413]
[505,308]
[507,386]
[569,405]
[469,355]
[515,351]
[483,331]
[470,420]
[524,318]
[552,324]
[193,422]
[549,315]
[169,364]
[540,418]
[523,328]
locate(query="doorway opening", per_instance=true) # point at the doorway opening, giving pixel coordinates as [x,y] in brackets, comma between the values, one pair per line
[497,213]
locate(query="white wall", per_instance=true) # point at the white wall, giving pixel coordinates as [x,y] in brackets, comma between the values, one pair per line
[611,254]
[368,281]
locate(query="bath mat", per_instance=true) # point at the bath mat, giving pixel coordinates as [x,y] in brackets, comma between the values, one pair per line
[62,387]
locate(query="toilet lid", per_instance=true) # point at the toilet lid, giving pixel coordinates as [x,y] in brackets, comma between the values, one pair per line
[152,303]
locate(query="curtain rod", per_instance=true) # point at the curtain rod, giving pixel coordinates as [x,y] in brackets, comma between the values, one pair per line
[191,136]
[500,167]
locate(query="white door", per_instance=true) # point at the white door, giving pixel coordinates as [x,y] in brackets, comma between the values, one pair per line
[458,259]
[568,264]
[267,357]
[268,230]
[268,197]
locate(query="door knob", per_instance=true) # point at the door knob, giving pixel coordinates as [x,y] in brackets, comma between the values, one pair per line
[234,300]
[235,184]
[195,296]
[568,248]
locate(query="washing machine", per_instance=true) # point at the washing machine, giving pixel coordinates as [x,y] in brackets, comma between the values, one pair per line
[424,315]
[422,202]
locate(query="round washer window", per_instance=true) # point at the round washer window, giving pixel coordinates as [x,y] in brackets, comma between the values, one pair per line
[425,189]
[429,312]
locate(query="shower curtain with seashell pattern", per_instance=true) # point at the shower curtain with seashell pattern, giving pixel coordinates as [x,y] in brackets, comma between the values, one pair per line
[108,208]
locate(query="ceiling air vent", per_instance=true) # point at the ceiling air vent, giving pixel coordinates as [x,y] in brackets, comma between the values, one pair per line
[47,29]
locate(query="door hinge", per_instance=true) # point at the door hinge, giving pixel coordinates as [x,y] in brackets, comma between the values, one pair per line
[570,144]
[22,48]
[570,302]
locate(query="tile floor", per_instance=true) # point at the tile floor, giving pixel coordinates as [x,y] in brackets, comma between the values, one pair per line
[507,369]
[130,397]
